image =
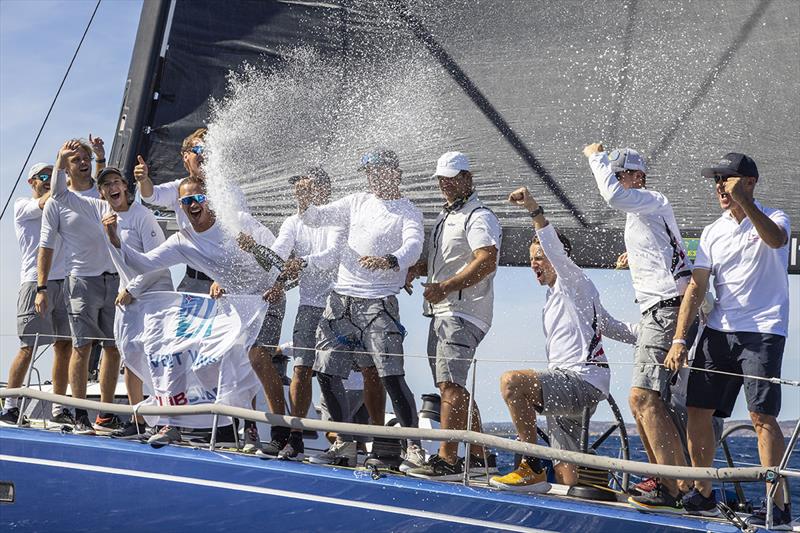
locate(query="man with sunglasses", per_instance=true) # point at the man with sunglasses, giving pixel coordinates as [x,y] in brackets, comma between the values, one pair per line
[54,320]
[361,320]
[747,252]
[660,272]
[166,195]
[241,266]
[92,281]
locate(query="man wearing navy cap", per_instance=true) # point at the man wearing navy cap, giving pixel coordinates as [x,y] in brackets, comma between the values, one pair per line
[746,250]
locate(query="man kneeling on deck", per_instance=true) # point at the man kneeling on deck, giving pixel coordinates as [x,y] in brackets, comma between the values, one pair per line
[578,375]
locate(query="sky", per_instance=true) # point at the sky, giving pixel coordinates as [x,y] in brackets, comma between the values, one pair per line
[37,40]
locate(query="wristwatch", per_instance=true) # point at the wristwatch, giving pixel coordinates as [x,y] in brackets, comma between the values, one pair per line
[41,288]
[393,263]
[536,212]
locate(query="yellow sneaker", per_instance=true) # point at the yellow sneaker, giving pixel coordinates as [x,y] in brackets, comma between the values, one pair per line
[523,479]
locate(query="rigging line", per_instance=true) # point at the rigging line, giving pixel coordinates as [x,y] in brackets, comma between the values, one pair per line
[52,104]
[777,381]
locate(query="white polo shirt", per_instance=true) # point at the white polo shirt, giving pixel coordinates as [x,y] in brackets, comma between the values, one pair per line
[28,227]
[751,280]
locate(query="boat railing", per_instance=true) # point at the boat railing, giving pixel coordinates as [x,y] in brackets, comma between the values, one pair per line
[725,474]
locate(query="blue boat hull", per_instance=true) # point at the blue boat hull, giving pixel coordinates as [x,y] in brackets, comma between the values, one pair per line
[66,482]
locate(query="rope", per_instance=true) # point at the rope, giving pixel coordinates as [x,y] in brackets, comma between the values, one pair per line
[52,104]
[776,381]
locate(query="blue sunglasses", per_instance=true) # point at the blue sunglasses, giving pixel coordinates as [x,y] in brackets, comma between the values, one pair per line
[189,200]
[44,178]
[197,148]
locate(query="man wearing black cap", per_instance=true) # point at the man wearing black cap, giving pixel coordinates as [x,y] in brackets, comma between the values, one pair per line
[318,250]
[385,236]
[660,274]
[747,252]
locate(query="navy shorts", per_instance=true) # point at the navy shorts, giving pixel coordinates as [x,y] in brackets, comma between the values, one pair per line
[755,354]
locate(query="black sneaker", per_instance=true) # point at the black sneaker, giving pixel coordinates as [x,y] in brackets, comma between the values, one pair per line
[271,449]
[438,468]
[107,423]
[129,431]
[83,426]
[662,501]
[11,416]
[697,504]
[781,519]
[63,417]
[293,451]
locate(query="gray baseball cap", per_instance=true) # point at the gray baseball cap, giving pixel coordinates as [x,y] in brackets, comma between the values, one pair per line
[626,159]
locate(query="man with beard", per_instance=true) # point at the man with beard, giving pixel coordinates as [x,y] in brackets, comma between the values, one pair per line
[459,299]
[92,282]
[54,320]
[361,320]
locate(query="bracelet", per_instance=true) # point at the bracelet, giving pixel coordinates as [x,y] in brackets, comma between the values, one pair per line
[536,212]
[100,160]
[41,288]
[679,341]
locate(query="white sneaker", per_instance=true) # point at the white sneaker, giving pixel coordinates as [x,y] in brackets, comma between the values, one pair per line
[340,453]
[415,457]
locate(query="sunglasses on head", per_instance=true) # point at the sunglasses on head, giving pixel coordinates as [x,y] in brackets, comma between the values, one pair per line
[189,200]
[197,148]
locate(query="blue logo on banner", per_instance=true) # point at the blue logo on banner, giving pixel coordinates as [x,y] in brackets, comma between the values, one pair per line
[195,318]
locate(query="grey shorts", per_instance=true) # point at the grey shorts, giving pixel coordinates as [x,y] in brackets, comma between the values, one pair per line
[304,336]
[452,341]
[91,308]
[565,395]
[54,322]
[656,330]
[197,286]
[352,325]
[270,334]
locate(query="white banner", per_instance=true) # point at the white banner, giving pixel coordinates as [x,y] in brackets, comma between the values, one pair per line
[190,349]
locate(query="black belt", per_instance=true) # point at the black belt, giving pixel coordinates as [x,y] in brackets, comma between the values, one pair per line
[196,274]
[672,302]
[110,274]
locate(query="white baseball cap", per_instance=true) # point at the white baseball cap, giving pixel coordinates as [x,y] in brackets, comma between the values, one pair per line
[450,164]
[38,167]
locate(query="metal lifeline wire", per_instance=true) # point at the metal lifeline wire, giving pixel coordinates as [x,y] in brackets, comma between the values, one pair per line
[476,359]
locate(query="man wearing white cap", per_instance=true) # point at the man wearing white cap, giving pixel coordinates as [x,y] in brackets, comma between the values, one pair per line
[660,272]
[459,298]
[53,321]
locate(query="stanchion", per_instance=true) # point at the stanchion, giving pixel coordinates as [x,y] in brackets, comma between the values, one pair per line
[469,421]
[28,382]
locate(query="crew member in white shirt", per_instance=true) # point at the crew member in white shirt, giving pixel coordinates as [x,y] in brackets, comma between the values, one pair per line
[746,250]
[459,298]
[92,282]
[166,195]
[384,238]
[139,230]
[660,272]
[239,268]
[318,250]
[578,376]
[54,321]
